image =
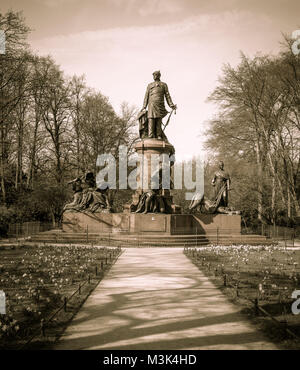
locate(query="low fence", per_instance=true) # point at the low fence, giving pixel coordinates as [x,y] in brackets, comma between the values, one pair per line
[25,229]
[104,267]
[141,239]
[280,232]
[230,282]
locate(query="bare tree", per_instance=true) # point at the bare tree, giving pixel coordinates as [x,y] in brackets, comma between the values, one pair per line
[259,115]
[56,117]
[11,66]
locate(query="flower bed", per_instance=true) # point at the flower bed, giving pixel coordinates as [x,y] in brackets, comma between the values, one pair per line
[267,273]
[36,281]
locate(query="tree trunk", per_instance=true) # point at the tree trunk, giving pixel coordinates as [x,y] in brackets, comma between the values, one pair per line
[259,185]
[52,217]
[3,191]
[19,167]
[273,204]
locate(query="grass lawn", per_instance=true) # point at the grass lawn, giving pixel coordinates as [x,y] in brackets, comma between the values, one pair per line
[36,280]
[267,273]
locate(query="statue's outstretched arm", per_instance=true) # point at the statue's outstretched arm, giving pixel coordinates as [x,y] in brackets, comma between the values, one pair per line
[168,98]
[75,180]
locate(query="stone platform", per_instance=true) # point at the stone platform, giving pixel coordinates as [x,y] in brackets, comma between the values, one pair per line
[151,223]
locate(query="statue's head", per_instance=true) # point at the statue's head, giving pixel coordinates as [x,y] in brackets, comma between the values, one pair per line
[156,75]
[221,165]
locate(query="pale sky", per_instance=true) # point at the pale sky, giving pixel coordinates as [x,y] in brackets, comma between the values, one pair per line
[117,44]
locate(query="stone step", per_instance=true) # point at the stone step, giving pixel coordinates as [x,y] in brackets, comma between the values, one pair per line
[145,236]
[150,240]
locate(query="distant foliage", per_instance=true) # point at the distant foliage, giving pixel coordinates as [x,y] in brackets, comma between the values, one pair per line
[52,127]
[257,133]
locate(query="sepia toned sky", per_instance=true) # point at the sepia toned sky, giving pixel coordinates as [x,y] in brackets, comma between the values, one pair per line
[117,44]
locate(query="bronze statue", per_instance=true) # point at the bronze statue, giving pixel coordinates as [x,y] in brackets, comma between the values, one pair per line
[210,206]
[150,122]
[87,196]
[221,183]
[153,200]
[206,205]
[77,188]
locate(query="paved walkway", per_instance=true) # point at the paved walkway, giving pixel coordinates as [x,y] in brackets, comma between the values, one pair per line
[155,298]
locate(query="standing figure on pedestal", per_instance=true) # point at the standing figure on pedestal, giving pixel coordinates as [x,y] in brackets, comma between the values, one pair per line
[221,183]
[155,96]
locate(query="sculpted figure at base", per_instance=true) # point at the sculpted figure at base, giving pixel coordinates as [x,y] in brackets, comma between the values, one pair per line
[77,188]
[150,121]
[209,206]
[221,182]
[153,200]
[87,196]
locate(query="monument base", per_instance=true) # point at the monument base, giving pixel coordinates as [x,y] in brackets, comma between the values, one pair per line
[151,223]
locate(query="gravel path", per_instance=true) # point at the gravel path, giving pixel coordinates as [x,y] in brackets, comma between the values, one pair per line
[155,298]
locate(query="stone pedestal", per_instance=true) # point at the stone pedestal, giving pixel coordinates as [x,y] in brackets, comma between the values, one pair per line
[98,223]
[151,223]
[149,150]
[154,154]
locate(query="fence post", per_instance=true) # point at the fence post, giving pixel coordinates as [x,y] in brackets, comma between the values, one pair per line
[43,327]
[225,279]
[293,239]
[96,270]
[65,304]
[79,289]
[284,237]
[256,307]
